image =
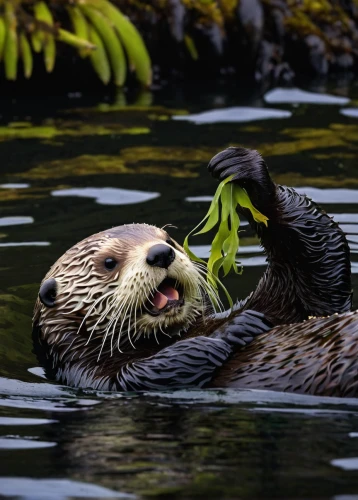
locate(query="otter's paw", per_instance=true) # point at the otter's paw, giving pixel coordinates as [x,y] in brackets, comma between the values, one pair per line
[243,328]
[240,162]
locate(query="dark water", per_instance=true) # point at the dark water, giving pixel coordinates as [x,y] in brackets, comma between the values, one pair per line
[73,167]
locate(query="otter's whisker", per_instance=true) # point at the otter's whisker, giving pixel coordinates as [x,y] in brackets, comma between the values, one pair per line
[124,318]
[113,305]
[205,284]
[103,342]
[163,332]
[113,321]
[155,335]
[124,307]
[118,317]
[92,307]
[129,326]
[135,319]
[101,318]
[208,287]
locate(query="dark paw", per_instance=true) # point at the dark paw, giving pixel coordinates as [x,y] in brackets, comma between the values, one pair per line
[250,172]
[243,328]
[241,162]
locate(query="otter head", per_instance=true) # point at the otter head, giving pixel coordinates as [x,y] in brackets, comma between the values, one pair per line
[118,286]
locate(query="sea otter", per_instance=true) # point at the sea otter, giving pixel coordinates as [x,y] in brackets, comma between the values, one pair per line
[126,309]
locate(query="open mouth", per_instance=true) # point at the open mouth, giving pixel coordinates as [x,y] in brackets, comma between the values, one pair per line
[168,296]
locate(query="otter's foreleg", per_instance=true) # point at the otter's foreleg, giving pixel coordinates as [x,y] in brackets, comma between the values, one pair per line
[308,271]
[192,362]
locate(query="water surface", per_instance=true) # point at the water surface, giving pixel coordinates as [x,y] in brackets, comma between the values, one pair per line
[71,168]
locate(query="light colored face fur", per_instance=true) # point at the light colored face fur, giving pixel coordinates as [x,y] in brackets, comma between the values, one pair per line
[113,304]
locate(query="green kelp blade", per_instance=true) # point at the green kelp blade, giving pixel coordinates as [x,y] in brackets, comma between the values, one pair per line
[242,198]
[225,244]
[216,258]
[213,212]
[216,252]
[213,209]
[191,254]
[231,244]
[230,247]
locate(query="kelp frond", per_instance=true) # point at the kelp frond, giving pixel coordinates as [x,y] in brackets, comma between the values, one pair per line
[96,28]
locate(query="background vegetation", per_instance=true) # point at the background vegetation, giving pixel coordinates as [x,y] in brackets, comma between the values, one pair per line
[259,39]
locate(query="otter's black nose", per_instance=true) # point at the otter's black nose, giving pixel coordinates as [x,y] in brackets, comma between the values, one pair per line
[160,256]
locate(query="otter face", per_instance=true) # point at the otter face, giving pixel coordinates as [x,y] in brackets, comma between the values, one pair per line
[119,285]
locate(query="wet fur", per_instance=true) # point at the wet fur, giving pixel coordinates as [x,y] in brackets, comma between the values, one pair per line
[95,325]
[308,274]
[318,356]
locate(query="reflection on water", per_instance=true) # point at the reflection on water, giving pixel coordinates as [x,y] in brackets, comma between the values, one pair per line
[328,196]
[108,196]
[346,463]
[234,115]
[92,168]
[15,186]
[299,96]
[331,196]
[25,421]
[25,244]
[14,221]
[350,112]
[58,489]
[16,443]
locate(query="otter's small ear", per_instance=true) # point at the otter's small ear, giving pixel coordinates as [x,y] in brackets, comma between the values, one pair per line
[47,293]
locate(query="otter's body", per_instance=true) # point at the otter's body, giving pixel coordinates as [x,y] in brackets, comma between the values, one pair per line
[127,310]
[316,357]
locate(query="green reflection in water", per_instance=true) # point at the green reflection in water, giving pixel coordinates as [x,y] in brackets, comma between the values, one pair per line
[26,130]
[15,319]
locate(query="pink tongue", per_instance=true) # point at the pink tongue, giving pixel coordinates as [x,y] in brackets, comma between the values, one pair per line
[160,300]
[166,293]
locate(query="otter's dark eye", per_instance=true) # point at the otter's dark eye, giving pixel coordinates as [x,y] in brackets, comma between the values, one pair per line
[110,263]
